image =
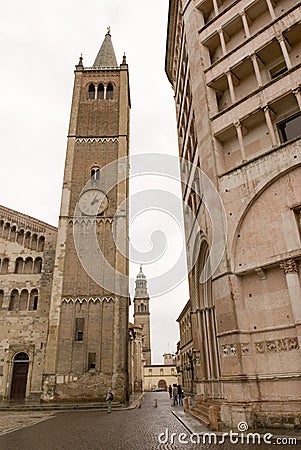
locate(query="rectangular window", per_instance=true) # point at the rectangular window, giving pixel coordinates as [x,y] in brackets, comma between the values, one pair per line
[79,329]
[91,361]
[290,128]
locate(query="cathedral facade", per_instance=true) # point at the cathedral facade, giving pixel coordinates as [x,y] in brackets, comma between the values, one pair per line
[64,292]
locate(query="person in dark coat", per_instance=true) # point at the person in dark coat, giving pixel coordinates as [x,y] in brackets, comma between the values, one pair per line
[170,391]
[180,395]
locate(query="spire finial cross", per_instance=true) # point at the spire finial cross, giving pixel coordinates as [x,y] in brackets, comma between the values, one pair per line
[109,29]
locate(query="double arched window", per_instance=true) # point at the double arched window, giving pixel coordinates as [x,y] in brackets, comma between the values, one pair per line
[95,173]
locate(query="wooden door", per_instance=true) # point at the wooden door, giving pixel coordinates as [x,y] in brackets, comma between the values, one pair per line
[19,381]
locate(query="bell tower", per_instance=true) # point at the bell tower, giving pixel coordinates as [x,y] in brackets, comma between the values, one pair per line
[88,338]
[142,314]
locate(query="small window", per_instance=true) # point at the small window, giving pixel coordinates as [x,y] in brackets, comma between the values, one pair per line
[1,298]
[109,91]
[91,91]
[290,128]
[100,92]
[95,173]
[79,329]
[91,361]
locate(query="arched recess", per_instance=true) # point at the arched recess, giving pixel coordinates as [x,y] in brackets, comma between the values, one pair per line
[34,242]
[41,244]
[19,265]
[1,298]
[33,300]
[162,385]
[37,267]
[205,321]
[110,91]
[100,91]
[28,265]
[20,237]
[91,91]
[269,213]
[23,302]
[27,239]
[4,266]
[19,376]
[14,300]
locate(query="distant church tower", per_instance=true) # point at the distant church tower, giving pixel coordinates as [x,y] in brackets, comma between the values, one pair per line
[142,314]
[88,330]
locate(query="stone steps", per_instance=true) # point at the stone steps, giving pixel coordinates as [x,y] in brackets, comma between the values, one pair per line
[201,411]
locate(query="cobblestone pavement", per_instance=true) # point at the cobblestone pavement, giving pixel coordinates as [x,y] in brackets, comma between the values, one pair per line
[10,421]
[136,429]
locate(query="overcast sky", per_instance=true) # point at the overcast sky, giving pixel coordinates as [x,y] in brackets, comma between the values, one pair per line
[40,45]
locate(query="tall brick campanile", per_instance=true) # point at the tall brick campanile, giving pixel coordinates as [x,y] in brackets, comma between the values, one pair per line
[142,314]
[87,342]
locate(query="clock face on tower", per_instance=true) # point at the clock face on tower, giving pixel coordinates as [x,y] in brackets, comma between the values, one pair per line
[93,202]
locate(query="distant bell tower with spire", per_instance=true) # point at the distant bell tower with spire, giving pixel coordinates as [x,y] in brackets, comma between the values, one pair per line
[87,347]
[142,314]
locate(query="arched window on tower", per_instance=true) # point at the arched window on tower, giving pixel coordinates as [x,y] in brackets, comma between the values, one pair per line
[37,266]
[23,303]
[34,241]
[28,265]
[41,244]
[4,266]
[95,173]
[91,92]
[13,231]
[110,91]
[14,300]
[33,300]
[27,239]
[100,92]
[19,265]
[1,298]
[20,237]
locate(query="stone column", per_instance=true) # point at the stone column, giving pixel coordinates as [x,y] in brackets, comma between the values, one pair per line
[284,50]
[269,122]
[215,7]
[256,69]
[290,268]
[223,42]
[231,86]
[297,93]
[245,23]
[240,140]
[271,9]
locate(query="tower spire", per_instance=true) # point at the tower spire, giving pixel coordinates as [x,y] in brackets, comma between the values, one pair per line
[106,55]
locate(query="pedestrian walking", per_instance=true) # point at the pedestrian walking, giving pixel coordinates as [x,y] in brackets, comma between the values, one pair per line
[180,395]
[109,399]
[170,391]
[175,394]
